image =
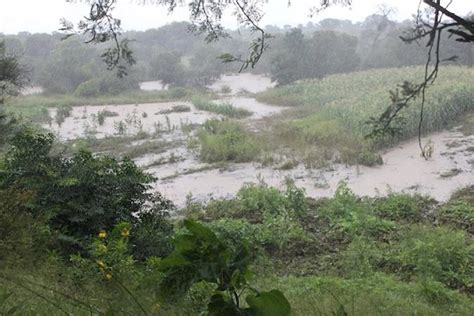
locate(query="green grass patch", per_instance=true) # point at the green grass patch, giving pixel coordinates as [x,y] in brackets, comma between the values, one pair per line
[226,141]
[225,109]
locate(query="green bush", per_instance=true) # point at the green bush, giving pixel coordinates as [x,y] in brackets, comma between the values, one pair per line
[439,254]
[152,230]
[22,235]
[226,141]
[201,256]
[79,195]
[402,206]
[354,216]
[459,211]
[88,89]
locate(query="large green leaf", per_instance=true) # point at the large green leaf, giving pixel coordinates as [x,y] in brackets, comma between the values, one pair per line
[272,303]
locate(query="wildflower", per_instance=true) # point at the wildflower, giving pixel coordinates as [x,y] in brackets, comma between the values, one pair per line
[101,264]
[156,306]
[108,276]
[102,234]
[125,232]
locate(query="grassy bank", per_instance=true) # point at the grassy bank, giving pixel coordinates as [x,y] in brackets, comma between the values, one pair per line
[347,255]
[332,112]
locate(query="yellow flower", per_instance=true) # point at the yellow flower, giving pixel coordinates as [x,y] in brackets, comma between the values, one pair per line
[156,306]
[125,232]
[101,264]
[102,234]
[108,276]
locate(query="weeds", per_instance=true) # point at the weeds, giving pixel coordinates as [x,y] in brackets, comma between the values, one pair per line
[225,109]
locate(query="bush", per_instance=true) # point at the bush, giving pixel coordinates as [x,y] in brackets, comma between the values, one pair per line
[88,89]
[459,211]
[226,141]
[79,195]
[402,206]
[354,216]
[152,231]
[22,236]
[439,254]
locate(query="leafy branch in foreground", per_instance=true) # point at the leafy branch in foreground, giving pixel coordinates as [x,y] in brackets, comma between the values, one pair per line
[430,27]
[100,26]
[199,256]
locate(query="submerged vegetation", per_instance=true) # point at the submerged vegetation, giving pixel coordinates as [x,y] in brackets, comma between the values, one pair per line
[226,141]
[225,109]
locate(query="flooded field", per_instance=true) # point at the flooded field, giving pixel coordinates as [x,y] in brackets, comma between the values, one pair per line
[179,171]
[404,170]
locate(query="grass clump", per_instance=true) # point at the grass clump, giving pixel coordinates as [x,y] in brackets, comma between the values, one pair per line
[226,141]
[175,109]
[225,109]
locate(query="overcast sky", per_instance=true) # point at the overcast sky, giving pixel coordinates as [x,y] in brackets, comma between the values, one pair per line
[44,15]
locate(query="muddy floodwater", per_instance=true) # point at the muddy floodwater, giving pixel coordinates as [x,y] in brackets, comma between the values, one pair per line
[450,167]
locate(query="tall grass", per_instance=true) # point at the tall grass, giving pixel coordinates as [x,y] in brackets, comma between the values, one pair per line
[225,109]
[349,100]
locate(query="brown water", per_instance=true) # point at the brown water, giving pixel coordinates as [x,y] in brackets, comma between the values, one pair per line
[404,169]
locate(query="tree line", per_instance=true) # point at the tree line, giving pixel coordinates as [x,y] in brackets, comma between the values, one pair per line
[179,57]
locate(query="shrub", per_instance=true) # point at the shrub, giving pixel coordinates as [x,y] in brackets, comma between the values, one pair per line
[354,216]
[88,89]
[226,141]
[22,235]
[152,230]
[62,112]
[79,195]
[439,254]
[459,210]
[201,256]
[402,206]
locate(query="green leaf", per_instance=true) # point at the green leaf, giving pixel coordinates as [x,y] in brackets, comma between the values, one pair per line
[218,306]
[272,303]
[199,230]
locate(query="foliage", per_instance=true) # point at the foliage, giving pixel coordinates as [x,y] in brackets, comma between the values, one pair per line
[12,74]
[225,109]
[347,213]
[459,211]
[325,53]
[402,207]
[21,235]
[79,195]
[439,254]
[226,141]
[152,230]
[332,112]
[201,256]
